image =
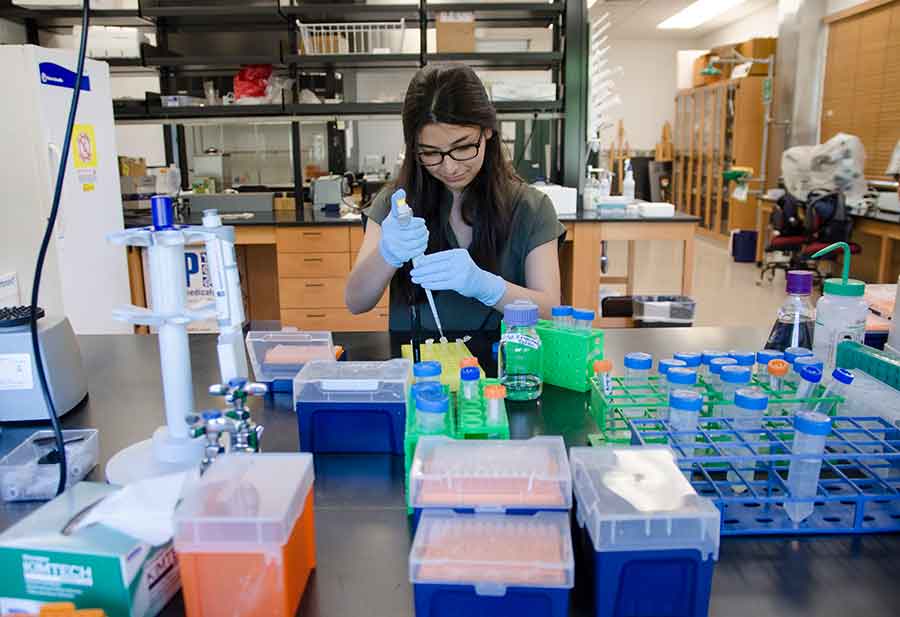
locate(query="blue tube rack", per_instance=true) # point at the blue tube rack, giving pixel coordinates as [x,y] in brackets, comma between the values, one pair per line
[858,490]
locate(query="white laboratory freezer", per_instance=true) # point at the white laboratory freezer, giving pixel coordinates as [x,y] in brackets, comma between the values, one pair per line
[85,277]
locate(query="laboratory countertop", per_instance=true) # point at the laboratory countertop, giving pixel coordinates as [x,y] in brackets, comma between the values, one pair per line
[312,216]
[362,531]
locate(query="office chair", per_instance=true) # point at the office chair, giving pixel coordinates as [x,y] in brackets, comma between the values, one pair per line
[800,229]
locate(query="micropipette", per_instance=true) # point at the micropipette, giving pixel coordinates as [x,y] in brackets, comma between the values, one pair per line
[404,215]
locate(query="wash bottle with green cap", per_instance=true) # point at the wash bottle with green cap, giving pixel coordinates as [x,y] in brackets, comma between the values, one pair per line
[841,312]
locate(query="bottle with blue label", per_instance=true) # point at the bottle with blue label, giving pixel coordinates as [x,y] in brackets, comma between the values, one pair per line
[520,355]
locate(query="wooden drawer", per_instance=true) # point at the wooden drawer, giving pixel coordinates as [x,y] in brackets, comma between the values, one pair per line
[313,265]
[316,293]
[313,239]
[336,320]
[356,239]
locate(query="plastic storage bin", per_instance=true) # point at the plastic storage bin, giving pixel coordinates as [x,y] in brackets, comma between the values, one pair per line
[492,565]
[352,406]
[22,478]
[663,311]
[245,536]
[277,357]
[515,477]
[650,540]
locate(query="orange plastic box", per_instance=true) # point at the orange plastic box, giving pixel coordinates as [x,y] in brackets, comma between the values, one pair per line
[245,536]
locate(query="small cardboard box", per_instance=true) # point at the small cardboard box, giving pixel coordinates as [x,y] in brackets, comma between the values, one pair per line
[94,567]
[133,167]
[455,33]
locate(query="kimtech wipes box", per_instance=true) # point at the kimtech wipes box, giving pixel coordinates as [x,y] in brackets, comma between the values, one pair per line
[95,567]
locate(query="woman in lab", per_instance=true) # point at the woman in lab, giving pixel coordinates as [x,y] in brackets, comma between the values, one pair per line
[488,237]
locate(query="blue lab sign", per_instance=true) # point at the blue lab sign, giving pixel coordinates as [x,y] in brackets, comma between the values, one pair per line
[52,74]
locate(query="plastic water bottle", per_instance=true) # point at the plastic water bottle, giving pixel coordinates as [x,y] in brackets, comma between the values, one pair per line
[715,369]
[680,378]
[684,414]
[562,316]
[841,312]
[810,377]
[628,184]
[431,412]
[521,354]
[427,371]
[750,405]
[469,377]
[637,368]
[733,378]
[795,322]
[811,430]
[706,357]
[668,363]
[840,380]
[691,359]
[583,319]
[743,358]
[764,357]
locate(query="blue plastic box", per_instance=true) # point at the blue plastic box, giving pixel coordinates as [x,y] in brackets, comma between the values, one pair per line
[492,565]
[650,542]
[518,477]
[352,406]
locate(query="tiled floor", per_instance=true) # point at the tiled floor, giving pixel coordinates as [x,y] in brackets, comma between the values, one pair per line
[726,292]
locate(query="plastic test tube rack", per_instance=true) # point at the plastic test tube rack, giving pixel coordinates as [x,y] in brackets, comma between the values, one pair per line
[859,486]
[611,411]
[448,354]
[472,420]
[569,355]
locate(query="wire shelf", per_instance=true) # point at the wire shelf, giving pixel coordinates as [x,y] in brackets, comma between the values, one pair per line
[352,38]
[745,473]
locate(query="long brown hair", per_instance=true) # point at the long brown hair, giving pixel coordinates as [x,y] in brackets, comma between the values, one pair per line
[453,94]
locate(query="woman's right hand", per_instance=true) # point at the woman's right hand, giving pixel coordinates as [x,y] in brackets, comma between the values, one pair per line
[402,238]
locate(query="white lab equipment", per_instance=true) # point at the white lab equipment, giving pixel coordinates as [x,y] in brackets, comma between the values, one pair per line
[811,430]
[764,357]
[840,379]
[404,215]
[841,312]
[564,198]
[84,278]
[684,413]
[733,378]
[750,406]
[172,447]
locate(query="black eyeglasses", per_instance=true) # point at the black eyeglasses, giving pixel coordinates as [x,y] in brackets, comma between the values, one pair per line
[466,152]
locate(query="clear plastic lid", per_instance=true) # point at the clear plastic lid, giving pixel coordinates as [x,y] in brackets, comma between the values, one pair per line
[244,503]
[281,355]
[636,499]
[493,551]
[353,382]
[491,475]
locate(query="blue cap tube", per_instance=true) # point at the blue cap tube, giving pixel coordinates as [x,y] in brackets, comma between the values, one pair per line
[162,212]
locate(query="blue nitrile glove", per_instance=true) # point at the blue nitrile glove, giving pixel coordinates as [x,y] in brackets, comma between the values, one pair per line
[403,236]
[455,269]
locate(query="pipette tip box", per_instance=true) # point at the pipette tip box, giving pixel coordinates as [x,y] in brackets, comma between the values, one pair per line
[352,406]
[277,356]
[511,477]
[492,565]
[648,541]
[245,536]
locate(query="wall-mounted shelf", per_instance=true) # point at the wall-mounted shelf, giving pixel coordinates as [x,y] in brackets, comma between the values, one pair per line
[503,14]
[153,56]
[349,61]
[58,18]
[322,12]
[505,60]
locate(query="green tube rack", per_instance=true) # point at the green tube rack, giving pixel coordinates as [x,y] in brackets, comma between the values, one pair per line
[881,365]
[648,400]
[568,355]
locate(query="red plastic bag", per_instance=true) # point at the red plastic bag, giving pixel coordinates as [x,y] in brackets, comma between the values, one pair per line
[252,80]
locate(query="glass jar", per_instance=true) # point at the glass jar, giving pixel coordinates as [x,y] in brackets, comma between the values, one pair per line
[520,353]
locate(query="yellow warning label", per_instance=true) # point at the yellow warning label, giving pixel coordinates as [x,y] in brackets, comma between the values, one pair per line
[84,148]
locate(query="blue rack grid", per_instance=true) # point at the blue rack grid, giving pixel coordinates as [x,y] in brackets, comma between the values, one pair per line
[858,490]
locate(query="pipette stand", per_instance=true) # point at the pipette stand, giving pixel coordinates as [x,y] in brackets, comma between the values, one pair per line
[172,447]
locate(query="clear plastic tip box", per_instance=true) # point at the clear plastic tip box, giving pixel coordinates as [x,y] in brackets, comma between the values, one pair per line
[492,565]
[648,539]
[352,406]
[512,477]
[24,478]
[245,536]
[277,357]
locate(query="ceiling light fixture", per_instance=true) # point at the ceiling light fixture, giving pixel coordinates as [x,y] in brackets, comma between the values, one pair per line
[698,13]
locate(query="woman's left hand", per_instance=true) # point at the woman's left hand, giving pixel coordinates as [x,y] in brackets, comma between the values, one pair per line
[455,270]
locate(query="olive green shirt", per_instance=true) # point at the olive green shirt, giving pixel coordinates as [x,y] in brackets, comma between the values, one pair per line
[533,223]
